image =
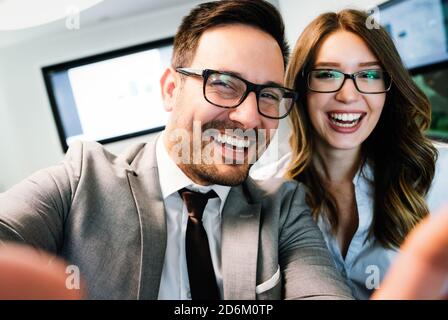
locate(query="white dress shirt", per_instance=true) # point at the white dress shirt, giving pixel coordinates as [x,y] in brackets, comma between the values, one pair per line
[174,283]
[366,261]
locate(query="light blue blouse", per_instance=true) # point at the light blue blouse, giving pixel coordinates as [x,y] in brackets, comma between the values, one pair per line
[367,262]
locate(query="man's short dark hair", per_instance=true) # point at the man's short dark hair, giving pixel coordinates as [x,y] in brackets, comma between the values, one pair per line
[256,13]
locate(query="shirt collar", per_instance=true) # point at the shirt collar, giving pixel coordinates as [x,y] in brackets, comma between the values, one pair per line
[365,172]
[172,178]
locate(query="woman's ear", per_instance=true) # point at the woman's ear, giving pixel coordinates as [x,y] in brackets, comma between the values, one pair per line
[169,84]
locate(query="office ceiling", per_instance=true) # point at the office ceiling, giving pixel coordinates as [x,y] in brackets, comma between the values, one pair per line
[103,11]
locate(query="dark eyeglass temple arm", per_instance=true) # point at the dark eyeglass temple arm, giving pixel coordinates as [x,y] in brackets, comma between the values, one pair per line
[189,71]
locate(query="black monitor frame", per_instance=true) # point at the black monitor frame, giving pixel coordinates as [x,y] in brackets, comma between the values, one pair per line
[47,70]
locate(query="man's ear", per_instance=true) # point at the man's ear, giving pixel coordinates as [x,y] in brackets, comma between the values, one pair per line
[169,84]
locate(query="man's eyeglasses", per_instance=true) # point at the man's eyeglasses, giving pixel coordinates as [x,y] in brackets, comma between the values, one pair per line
[227,90]
[366,81]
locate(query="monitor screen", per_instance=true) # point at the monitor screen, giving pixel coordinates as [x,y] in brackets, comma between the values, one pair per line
[111,96]
[419,29]
[433,83]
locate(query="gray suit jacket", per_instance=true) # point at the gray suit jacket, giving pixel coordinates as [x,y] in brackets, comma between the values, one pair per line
[105,214]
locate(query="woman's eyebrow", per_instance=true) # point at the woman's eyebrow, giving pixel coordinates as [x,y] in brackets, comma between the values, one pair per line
[336,64]
[370,63]
[327,64]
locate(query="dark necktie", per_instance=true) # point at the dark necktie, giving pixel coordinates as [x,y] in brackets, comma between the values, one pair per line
[202,277]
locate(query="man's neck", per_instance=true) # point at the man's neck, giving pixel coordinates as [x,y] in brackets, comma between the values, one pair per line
[182,166]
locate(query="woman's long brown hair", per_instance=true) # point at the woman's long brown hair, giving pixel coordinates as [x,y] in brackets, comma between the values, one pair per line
[403,159]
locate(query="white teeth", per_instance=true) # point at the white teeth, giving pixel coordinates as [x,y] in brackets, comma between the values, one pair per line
[234,142]
[349,119]
[346,116]
[344,125]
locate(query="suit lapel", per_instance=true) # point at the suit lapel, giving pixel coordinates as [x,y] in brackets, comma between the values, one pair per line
[144,183]
[240,236]
[240,231]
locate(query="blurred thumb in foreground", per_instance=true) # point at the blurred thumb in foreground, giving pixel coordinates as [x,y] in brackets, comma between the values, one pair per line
[421,269]
[28,274]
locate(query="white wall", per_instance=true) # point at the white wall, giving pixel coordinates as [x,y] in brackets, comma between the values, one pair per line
[5,136]
[28,134]
[299,13]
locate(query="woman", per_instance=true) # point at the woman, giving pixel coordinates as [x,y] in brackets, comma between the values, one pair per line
[358,144]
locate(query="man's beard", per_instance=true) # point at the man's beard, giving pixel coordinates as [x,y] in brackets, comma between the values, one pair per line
[205,171]
[211,174]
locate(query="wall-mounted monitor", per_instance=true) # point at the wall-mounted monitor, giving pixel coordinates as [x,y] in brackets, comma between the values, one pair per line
[419,29]
[110,96]
[433,82]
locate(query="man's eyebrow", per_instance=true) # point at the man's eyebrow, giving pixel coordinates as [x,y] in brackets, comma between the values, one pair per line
[267,83]
[274,84]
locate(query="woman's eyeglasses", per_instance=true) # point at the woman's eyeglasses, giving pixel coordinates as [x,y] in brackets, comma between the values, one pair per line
[366,81]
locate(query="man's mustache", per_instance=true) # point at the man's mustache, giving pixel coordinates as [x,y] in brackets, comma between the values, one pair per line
[231,128]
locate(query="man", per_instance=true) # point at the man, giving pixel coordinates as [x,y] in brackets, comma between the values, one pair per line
[178,217]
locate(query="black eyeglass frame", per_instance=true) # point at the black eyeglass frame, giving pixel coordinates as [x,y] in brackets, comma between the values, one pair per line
[250,87]
[349,76]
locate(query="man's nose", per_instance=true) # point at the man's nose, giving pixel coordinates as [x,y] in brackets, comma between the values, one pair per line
[247,112]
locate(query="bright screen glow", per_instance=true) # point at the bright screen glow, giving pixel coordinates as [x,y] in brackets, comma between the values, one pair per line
[111,98]
[419,30]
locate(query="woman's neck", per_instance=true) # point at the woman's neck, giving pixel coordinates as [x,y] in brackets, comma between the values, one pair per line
[336,165]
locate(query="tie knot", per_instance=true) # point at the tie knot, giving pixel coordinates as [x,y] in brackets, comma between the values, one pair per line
[196,201]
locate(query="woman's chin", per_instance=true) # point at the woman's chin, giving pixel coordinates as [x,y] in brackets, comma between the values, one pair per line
[345,144]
